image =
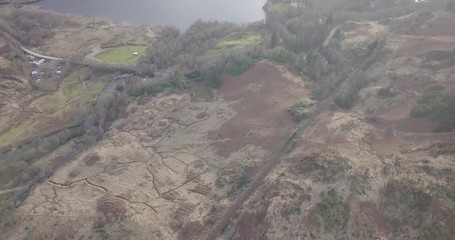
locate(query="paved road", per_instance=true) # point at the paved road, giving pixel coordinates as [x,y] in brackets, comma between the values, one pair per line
[40,55]
[86,61]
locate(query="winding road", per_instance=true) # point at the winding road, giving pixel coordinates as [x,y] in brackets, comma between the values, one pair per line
[40,55]
[88,60]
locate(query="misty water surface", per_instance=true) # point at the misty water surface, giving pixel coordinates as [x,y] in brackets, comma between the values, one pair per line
[180,13]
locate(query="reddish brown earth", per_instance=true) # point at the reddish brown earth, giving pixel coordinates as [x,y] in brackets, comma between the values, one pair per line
[202,115]
[441,26]
[261,97]
[372,214]
[419,46]
[194,229]
[92,159]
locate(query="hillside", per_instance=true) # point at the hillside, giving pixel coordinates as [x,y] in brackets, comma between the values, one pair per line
[331,120]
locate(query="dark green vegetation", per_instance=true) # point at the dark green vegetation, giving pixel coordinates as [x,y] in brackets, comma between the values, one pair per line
[332,169]
[437,104]
[99,229]
[443,148]
[301,110]
[238,182]
[360,183]
[32,28]
[408,204]
[291,36]
[235,183]
[290,209]
[333,211]
[239,65]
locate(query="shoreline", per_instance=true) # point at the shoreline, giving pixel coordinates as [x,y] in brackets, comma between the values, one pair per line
[19,3]
[171,16]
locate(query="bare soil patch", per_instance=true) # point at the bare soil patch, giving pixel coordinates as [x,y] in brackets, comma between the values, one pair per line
[371,213]
[441,26]
[202,115]
[251,226]
[262,118]
[92,159]
[112,208]
[415,46]
[74,174]
[192,231]
[398,118]
[362,32]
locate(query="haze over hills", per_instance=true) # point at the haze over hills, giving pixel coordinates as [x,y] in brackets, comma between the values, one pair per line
[329,120]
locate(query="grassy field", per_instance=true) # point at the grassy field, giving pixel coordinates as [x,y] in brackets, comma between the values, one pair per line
[18,131]
[122,55]
[234,43]
[315,5]
[71,91]
[70,97]
[142,40]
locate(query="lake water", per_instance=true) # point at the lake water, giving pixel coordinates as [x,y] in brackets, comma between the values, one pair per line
[179,13]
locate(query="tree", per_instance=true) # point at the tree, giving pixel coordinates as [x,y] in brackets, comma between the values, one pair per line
[274,40]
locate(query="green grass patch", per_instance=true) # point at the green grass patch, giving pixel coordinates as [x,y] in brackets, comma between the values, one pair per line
[142,40]
[9,171]
[71,90]
[18,131]
[235,43]
[70,96]
[122,55]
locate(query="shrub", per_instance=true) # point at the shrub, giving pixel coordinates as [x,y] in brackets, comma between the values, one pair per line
[386,92]
[435,231]
[152,89]
[176,225]
[213,79]
[333,211]
[194,75]
[102,234]
[238,66]
[406,204]
[238,182]
[290,209]
[347,98]
[438,105]
[332,170]
[301,110]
